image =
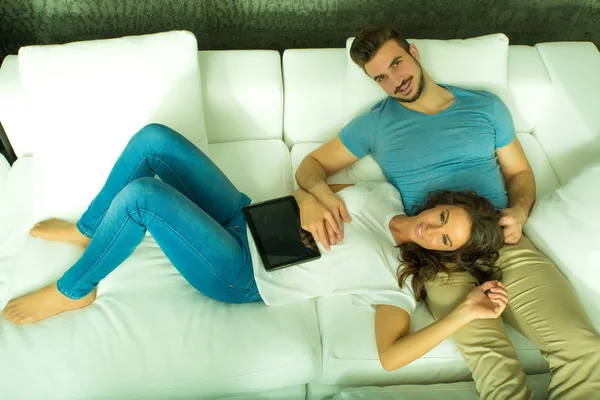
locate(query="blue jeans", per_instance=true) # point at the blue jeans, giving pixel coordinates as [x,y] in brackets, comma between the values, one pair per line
[193,212]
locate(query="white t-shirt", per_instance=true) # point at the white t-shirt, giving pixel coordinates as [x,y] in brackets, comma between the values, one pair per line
[364,264]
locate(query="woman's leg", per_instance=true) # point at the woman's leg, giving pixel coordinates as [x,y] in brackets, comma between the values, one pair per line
[158,150]
[212,258]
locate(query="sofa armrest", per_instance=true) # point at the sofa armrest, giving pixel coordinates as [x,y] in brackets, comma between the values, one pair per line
[569,130]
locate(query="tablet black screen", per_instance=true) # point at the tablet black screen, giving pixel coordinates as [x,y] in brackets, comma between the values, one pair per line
[277,232]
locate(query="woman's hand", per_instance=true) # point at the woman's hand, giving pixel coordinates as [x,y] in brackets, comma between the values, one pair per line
[486,301]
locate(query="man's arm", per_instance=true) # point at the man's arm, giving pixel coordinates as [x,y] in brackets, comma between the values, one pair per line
[520,186]
[312,176]
[325,161]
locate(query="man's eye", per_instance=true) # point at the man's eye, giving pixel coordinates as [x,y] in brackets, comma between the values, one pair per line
[442,217]
[444,240]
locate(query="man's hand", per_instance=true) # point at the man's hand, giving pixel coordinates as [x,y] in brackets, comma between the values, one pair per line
[512,221]
[322,217]
[486,301]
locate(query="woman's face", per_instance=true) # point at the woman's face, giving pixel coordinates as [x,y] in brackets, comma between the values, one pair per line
[443,228]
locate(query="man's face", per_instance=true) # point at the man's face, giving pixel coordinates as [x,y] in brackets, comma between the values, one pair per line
[397,71]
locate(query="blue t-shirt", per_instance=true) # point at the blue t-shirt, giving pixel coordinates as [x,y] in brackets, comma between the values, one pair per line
[451,150]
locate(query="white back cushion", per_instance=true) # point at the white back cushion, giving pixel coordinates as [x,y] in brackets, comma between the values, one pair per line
[88,98]
[313,80]
[243,94]
[529,85]
[478,63]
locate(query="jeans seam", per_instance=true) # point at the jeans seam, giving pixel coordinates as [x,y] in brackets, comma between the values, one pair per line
[94,227]
[62,291]
[70,293]
[83,230]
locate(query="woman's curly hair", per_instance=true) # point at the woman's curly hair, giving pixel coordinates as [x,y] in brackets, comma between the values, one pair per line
[478,256]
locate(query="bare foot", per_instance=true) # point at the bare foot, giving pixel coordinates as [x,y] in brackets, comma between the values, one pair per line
[58,230]
[42,304]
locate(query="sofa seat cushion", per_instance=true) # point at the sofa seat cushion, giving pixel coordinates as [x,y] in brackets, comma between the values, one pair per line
[149,333]
[350,353]
[447,391]
[564,226]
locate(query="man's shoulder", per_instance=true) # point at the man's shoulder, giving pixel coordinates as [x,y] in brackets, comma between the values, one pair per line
[382,106]
[473,94]
[476,98]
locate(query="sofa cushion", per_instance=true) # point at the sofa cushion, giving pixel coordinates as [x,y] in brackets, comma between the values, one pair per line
[480,62]
[529,85]
[259,168]
[314,81]
[564,226]
[446,391]
[149,335]
[88,98]
[243,94]
[569,129]
[352,359]
[148,332]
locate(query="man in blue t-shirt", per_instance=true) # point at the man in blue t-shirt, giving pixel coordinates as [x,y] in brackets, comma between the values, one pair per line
[428,137]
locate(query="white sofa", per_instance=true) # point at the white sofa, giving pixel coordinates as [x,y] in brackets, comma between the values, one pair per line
[149,335]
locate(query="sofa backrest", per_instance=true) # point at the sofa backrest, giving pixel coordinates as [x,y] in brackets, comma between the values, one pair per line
[242,98]
[324,89]
[552,91]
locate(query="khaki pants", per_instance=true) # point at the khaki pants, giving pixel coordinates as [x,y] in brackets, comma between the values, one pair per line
[542,306]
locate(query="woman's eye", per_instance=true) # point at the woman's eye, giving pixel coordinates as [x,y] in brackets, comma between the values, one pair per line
[444,240]
[442,217]
[396,63]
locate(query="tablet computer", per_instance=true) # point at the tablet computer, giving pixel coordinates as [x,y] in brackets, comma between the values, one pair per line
[275,228]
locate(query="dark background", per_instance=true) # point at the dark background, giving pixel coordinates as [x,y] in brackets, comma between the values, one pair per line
[281,24]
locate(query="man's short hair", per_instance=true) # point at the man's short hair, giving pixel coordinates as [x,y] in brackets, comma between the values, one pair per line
[370,39]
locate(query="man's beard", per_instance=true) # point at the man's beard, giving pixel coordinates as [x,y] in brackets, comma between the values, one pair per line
[419,90]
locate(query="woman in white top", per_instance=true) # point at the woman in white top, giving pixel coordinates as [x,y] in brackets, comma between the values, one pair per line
[194,214]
